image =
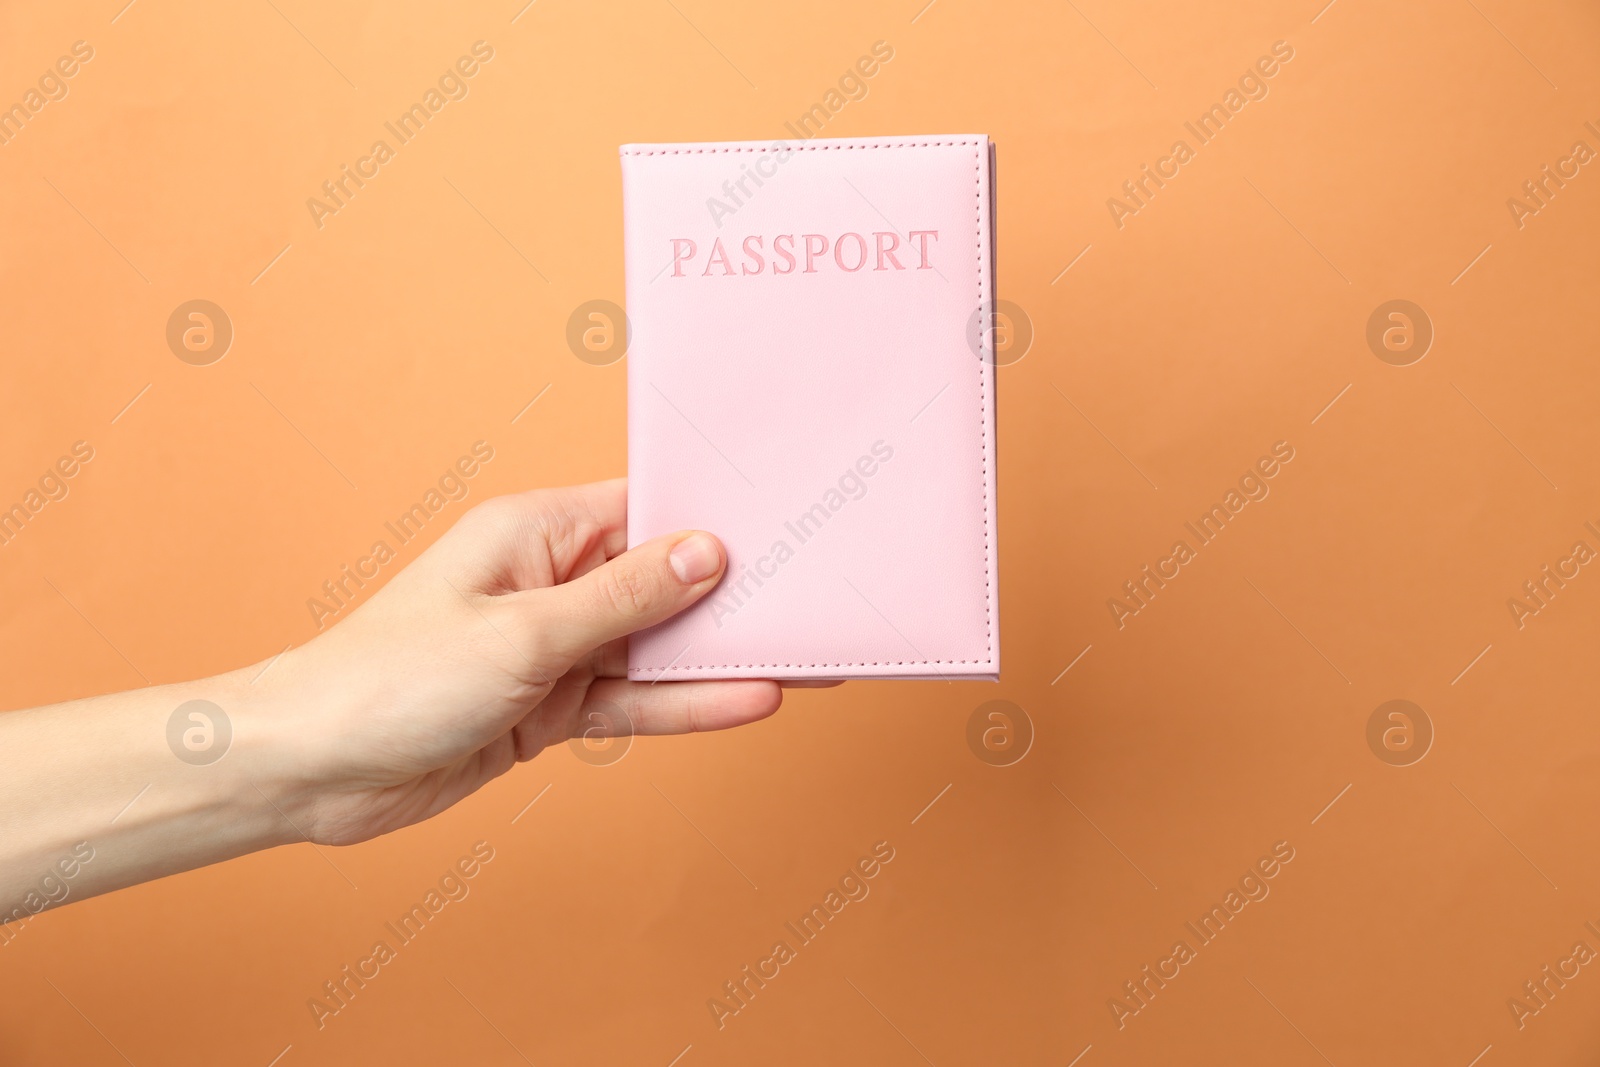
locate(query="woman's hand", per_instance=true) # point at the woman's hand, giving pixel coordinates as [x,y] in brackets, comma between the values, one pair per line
[505,637]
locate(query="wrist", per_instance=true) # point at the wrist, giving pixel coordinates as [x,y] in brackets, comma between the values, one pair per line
[215,767]
[272,767]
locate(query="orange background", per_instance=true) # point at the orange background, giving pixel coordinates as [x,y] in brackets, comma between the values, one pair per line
[1224,717]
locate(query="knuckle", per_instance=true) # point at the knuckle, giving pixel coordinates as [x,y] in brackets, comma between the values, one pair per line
[627,591]
[493,516]
[515,512]
[693,712]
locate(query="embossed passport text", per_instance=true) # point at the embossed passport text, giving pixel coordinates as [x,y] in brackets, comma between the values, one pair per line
[810,378]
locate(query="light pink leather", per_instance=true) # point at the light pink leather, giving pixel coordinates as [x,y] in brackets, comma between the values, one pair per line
[756,398]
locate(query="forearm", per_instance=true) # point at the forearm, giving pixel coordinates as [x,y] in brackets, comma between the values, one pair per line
[94,798]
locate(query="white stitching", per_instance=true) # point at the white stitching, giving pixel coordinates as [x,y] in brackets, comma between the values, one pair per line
[983,408]
[873,663]
[796,148]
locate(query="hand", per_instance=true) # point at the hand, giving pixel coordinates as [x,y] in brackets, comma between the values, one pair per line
[506,636]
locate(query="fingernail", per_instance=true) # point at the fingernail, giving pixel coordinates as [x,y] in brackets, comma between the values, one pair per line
[695,558]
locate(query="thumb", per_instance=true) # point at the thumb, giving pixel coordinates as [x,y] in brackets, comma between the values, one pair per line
[641,587]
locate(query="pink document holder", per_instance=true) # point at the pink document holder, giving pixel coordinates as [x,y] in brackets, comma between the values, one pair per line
[810,379]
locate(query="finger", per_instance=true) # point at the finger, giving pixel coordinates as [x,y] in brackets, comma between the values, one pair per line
[606,504]
[534,539]
[610,660]
[639,588]
[613,707]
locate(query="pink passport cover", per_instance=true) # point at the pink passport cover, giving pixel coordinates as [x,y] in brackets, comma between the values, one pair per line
[801,383]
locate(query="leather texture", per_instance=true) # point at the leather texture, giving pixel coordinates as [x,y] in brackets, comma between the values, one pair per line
[832,423]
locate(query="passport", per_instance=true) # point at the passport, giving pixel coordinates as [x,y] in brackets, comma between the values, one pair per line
[811,378]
